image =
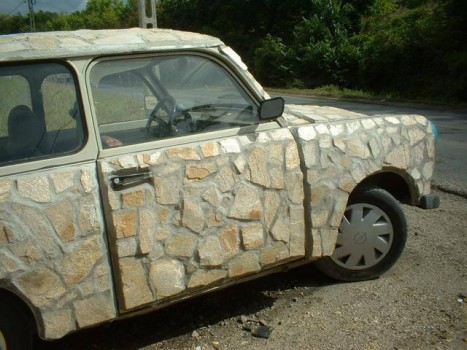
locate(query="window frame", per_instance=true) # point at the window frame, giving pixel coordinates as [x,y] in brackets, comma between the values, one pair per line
[210,54]
[37,106]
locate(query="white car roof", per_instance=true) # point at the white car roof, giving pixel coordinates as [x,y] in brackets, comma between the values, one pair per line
[83,43]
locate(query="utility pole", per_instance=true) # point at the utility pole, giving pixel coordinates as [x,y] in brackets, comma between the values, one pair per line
[32,22]
[147,13]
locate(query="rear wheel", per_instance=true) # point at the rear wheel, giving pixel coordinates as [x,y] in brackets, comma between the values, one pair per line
[371,237]
[15,328]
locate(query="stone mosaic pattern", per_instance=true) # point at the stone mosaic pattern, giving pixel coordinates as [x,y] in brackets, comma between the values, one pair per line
[212,212]
[341,148]
[52,249]
[98,42]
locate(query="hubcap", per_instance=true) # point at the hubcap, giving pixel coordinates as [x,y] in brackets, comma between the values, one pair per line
[365,237]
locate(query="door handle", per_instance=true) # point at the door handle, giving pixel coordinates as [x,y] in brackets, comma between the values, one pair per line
[121,181]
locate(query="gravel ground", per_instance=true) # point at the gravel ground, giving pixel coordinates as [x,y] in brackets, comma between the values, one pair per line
[419,304]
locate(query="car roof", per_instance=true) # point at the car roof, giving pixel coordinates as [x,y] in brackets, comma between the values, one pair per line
[85,43]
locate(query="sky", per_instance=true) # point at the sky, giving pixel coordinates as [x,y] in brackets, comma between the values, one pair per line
[14,6]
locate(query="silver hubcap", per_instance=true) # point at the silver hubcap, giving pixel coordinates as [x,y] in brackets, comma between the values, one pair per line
[365,237]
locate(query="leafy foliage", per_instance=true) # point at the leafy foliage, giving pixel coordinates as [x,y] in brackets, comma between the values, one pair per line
[406,48]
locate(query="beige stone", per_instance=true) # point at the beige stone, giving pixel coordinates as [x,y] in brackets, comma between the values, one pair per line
[297,231]
[162,233]
[27,251]
[292,158]
[146,228]
[211,196]
[229,240]
[240,164]
[135,285]
[276,178]
[210,252]
[247,205]
[311,154]
[101,280]
[88,181]
[62,181]
[77,264]
[200,171]
[428,170]
[185,153]
[94,310]
[127,162]
[36,189]
[257,166]
[397,158]
[319,216]
[280,231]
[192,215]
[5,189]
[274,254]
[89,216]
[209,149]
[271,205]
[214,217]
[415,136]
[181,244]
[225,179]
[167,189]
[230,145]
[307,133]
[133,199]
[61,215]
[252,236]
[57,323]
[168,278]
[126,247]
[356,148]
[202,278]
[125,224]
[41,286]
[42,231]
[9,262]
[244,264]
[295,187]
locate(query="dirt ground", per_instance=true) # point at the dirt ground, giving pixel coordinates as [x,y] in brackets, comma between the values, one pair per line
[419,304]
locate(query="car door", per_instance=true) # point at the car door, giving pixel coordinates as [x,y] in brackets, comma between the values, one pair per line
[197,191]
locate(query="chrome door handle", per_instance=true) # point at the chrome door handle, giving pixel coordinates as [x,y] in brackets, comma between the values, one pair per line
[122,181]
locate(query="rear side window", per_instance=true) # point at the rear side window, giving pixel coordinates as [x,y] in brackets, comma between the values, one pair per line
[39,112]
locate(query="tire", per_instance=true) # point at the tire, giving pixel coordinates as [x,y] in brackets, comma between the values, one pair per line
[371,237]
[15,327]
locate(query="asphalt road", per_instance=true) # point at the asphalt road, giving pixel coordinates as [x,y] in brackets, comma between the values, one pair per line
[451,151]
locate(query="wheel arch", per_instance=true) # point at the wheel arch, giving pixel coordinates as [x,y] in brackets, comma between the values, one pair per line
[23,306]
[398,183]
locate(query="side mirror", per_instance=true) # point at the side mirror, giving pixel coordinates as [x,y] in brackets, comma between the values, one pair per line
[273,108]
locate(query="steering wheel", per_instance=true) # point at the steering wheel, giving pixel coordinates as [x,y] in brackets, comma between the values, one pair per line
[164,126]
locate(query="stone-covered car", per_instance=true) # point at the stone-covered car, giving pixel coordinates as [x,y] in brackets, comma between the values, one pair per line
[139,167]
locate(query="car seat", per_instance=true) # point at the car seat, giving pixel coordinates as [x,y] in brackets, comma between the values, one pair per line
[25,133]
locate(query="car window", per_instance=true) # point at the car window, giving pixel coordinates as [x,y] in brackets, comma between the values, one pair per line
[39,112]
[144,99]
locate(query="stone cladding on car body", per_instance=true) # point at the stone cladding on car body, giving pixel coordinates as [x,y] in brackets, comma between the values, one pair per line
[340,148]
[212,212]
[53,250]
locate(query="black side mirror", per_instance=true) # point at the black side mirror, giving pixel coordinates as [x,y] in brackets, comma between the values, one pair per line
[272,108]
